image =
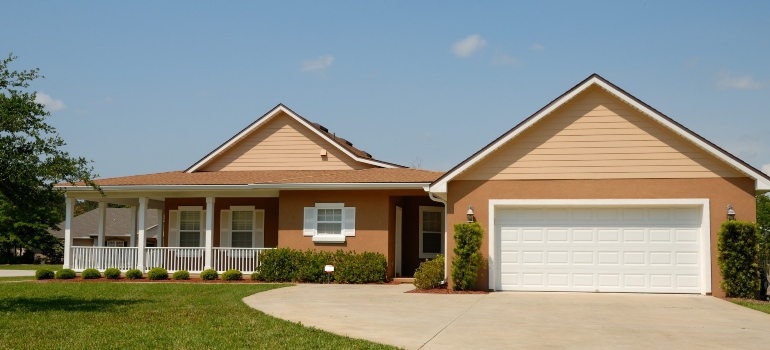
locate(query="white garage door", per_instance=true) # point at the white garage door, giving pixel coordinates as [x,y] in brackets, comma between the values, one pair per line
[604,249]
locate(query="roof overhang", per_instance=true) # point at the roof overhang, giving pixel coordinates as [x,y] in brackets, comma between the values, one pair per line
[269,116]
[762,181]
[284,186]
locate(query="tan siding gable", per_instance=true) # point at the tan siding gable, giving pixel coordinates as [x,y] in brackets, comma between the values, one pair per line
[283,144]
[597,136]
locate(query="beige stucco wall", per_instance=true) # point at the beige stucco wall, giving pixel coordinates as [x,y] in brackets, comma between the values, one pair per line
[739,192]
[283,144]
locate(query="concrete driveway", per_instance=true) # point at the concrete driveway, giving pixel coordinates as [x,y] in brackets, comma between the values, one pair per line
[385,314]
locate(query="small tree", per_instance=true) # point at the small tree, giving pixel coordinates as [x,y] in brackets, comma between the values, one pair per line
[763,227]
[738,248]
[467,259]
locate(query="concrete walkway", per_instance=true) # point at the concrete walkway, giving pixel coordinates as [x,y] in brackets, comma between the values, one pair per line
[16,273]
[385,314]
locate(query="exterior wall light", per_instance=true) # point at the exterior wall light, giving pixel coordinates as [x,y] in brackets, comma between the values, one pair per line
[469,214]
[730,213]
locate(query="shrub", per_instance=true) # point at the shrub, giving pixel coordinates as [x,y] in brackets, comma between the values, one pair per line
[467,258]
[279,265]
[209,275]
[310,266]
[738,248]
[112,273]
[181,275]
[255,276]
[65,274]
[157,273]
[90,274]
[44,274]
[430,274]
[288,265]
[134,274]
[366,267]
[232,275]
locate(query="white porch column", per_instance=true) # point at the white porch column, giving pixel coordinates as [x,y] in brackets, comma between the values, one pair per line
[102,224]
[209,232]
[132,239]
[142,241]
[159,239]
[69,204]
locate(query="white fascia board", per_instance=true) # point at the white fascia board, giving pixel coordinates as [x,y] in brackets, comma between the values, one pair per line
[264,120]
[597,202]
[159,188]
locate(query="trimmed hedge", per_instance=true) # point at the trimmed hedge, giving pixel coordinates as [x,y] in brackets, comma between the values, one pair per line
[738,260]
[90,274]
[289,265]
[467,258]
[232,275]
[65,274]
[430,274]
[44,274]
[112,273]
[134,274]
[157,274]
[181,275]
[209,275]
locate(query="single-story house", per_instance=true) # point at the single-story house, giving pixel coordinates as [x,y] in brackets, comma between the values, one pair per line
[119,223]
[596,191]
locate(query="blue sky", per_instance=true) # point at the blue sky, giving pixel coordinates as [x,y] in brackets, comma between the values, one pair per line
[143,87]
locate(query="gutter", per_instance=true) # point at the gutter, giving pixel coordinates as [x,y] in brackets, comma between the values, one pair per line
[446,246]
[286,186]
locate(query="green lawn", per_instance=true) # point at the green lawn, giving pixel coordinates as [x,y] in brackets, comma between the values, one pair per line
[756,305]
[29,267]
[104,315]
[19,278]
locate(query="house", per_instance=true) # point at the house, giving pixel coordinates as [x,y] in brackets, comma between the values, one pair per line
[597,191]
[119,223]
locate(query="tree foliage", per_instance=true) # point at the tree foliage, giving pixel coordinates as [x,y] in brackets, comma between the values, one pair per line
[738,248]
[467,258]
[31,163]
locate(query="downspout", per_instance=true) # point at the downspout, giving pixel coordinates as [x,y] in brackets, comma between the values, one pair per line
[446,254]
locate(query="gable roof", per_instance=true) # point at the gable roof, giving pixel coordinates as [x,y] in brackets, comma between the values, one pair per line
[762,180]
[338,142]
[118,223]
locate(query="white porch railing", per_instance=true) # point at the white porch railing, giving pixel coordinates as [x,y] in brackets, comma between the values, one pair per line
[102,258]
[245,260]
[175,258]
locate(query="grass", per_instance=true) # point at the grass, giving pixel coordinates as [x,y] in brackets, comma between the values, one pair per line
[753,304]
[104,315]
[17,278]
[30,267]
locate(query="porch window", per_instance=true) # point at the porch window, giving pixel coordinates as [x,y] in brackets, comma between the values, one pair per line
[190,228]
[431,232]
[330,222]
[243,228]
[116,244]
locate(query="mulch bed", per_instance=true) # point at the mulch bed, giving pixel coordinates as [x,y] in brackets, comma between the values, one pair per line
[191,280]
[446,291]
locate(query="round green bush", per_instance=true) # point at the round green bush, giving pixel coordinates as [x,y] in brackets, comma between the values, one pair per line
[255,276]
[134,274]
[181,275]
[112,273]
[44,274]
[232,275]
[90,274]
[65,274]
[430,274]
[210,274]
[157,273]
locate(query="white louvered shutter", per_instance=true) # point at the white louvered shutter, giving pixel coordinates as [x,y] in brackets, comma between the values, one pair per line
[308,229]
[203,229]
[224,228]
[173,228]
[258,240]
[349,222]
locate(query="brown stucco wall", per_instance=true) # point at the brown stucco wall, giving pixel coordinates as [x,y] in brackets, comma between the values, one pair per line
[739,192]
[269,205]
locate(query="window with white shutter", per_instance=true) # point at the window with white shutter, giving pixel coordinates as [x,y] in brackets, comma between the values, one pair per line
[330,222]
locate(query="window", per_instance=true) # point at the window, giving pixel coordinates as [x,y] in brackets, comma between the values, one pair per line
[242,228]
[116,244]
[431,232]
[190,228]
[330,222]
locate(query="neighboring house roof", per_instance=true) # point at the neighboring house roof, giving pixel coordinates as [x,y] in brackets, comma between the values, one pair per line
[762,180]
[275,177]
[338,142]
[118,224]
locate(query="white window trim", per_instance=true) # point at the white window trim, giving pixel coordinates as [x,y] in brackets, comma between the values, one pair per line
[202,230]
[122,243]
[346,223]
[424,209]
[256,227]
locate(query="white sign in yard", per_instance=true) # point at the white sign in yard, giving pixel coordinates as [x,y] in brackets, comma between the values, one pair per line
[329,268]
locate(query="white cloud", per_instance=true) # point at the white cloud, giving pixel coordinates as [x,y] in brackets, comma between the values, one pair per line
[505,60]
[766,169]
[738,82]
[317,64]
[49,102]
[469,45]
[537,47]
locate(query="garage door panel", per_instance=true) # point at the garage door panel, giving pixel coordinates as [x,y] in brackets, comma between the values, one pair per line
[600,249]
